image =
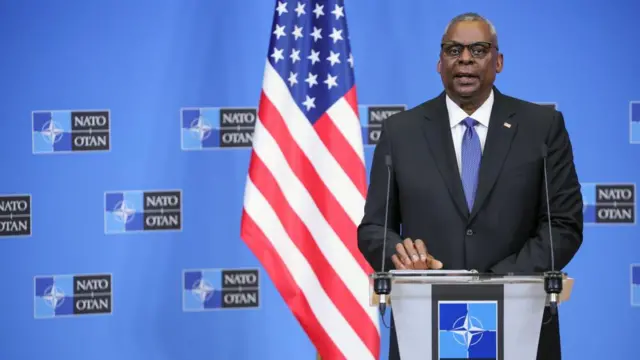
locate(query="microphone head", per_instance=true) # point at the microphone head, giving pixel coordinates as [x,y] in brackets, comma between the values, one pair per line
[544,150]
[553,282]
[382,283]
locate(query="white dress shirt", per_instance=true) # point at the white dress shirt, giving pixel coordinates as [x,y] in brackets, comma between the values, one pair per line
[456,115]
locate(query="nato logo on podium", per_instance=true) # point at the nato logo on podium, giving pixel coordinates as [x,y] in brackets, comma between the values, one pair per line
[468,330]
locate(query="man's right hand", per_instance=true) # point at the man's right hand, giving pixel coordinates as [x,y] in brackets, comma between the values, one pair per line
[414,256]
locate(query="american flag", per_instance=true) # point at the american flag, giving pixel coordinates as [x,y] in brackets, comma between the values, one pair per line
[306,186]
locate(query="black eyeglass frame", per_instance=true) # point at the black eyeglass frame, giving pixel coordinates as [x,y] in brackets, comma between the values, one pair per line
[487,45]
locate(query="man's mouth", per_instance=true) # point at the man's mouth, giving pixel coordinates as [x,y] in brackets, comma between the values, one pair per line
[465,76]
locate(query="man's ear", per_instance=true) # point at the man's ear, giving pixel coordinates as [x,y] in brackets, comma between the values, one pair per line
[438,65]
[499,63]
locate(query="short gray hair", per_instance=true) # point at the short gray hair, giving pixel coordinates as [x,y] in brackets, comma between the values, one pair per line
[471,16]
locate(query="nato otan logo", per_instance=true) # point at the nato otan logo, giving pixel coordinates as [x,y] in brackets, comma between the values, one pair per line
[70,131]
[218,289]
[142,211]
[371,118]
[634,122]
[635,284]
[15,215]
[608,203]
[468,330]
[213,128]
[72,295]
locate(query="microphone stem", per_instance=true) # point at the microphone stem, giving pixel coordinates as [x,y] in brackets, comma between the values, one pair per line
[546,189]
[553,278]
[386,217]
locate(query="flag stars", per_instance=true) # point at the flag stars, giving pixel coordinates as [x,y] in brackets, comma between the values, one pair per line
[318,10]
[314,57]
[338,11]
[300,9]
[295,55]
[306,81]
[316,34]
[277,55]
[282,8]
[309,102]
[279,31]
[334,58]
[311,80]
[293,78]
[336,35]
[331,81]
[297,32]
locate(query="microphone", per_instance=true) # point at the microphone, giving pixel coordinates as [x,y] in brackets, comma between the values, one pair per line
[553,278]
[382,279]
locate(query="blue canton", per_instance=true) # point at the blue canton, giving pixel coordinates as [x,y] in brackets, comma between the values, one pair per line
[309,49]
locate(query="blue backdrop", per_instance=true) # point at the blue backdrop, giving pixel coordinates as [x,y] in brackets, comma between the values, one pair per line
[144,62]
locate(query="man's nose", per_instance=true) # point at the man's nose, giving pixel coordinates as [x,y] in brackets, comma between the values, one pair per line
[465,55]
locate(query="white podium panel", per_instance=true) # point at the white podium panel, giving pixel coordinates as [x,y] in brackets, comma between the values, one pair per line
[452,315]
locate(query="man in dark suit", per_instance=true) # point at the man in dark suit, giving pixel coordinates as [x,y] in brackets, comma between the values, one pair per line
[467,185]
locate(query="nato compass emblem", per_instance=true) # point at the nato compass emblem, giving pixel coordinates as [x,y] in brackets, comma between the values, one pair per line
[53,297]
[467,331]
[200,128]
[51,132]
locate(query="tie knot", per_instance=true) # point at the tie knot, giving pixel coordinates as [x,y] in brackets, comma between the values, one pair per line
[469,122]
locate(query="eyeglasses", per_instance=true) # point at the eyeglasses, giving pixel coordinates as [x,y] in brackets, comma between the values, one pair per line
[478,49]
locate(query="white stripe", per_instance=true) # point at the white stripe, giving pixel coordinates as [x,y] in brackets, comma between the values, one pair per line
[303,133]
[331,246]
[323,308]
[347,121]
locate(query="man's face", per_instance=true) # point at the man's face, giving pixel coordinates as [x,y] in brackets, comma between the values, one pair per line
[469,71]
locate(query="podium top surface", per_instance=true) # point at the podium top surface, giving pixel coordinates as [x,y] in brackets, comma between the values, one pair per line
[460,276]
[415,277]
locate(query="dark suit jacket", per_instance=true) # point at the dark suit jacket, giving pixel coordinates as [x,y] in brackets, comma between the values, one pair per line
[508,229]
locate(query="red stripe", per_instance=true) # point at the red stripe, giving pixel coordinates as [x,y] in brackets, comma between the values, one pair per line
[283,281]
[352,99]
[298,232]
[342,151]
[304,170]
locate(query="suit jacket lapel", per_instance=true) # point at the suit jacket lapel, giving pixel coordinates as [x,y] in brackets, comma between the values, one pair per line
[502,128]
[438,133]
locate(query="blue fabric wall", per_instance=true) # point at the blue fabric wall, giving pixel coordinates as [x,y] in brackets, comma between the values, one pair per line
[144,61]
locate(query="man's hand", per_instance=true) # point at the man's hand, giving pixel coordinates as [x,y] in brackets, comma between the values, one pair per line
[414,256]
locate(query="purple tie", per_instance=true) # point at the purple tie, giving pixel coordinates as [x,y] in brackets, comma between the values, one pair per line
[471,155]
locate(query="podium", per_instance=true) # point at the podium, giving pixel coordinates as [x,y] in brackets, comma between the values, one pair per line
[451,315]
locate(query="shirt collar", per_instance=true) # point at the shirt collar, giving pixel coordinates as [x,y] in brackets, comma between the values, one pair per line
[482,115]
